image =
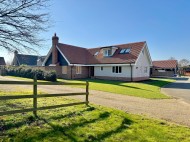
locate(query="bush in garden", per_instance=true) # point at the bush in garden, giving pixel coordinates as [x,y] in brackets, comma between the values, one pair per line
[39,74]
[27,72]
[50,76]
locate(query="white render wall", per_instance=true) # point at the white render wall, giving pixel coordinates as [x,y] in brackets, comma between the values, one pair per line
[142,62]
[138,69]
[107,71]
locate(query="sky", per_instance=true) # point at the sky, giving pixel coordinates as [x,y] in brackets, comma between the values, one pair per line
[163,24]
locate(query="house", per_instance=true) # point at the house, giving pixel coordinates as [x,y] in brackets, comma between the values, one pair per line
[30,60]
[184,71]
[2,64]
[2,61]
[164,68]
[127,62]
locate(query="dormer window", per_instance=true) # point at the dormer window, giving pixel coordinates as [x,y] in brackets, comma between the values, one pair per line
[107,52]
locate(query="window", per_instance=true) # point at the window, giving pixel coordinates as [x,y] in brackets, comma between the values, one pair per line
[122,51]
[145,69]
[107,52]
[117,69]
[64,70]
[125,50]
[78,69]
[96,53]
[101,68]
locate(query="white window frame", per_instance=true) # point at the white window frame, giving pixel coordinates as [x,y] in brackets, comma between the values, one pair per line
[64,69]
[105,51]
[101,68]
[78,69]
[114,71]
[145,69]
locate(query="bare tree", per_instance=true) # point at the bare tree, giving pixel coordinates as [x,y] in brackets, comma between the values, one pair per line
[21,21]
[184,62]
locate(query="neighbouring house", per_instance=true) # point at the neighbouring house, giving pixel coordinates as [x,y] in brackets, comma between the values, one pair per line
[29,60]
[127,62]
[184,71]
[2,61]
[164,68]
[2,64]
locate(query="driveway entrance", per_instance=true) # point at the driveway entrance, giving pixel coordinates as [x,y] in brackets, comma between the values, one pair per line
[179,89]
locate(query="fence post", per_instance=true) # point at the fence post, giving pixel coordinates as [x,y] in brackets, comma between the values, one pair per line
[87,92]
[35,96]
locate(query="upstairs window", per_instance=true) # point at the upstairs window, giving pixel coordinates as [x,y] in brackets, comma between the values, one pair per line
[117,69]
[125,51]
[96,53]
[107,52]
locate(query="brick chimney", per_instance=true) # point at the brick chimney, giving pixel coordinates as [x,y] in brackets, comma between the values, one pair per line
[55,40]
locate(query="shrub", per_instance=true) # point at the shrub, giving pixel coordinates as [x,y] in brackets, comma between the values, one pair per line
[50,76]
[27,72]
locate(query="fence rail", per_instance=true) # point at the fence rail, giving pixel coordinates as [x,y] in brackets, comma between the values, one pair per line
[35,96]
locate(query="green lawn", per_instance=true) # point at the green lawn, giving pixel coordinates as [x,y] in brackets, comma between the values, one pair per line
[81,123]
[146,89]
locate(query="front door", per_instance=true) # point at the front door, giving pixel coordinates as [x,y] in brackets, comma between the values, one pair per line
[91,71]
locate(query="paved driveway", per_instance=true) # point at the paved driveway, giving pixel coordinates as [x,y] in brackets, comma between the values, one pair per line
[179,89]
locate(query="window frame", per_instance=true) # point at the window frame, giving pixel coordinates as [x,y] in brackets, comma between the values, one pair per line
[101,68]
[117,69]
[106,52]
[64,69]
[78,70]
[145,69]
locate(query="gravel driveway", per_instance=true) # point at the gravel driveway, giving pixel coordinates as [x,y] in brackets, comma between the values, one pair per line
[174,110]
[179,89]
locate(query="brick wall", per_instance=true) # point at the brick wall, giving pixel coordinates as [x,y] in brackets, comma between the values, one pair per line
[71,72]
[84,72]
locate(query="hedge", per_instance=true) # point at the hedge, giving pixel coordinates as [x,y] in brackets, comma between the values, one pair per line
[28,72]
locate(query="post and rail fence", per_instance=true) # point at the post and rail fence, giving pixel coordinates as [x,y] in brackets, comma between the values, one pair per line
[35,96]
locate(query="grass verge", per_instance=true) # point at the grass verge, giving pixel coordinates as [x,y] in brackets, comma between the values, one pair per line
[81,123]
[146,89]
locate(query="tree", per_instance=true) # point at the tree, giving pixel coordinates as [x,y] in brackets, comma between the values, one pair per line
[184,62]
[21,21]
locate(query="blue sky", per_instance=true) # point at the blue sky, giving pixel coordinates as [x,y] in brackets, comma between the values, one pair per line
[164,24]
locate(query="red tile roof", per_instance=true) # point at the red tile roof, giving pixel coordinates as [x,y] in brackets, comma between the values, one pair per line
[79,55]
[165,64]
[2,61]
[120,58]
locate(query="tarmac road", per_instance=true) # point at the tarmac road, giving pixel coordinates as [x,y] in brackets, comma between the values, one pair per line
[179,89]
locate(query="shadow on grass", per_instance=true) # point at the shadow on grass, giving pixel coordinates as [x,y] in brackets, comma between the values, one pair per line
[152,82]
[68,130]
[123,126]
[10,125]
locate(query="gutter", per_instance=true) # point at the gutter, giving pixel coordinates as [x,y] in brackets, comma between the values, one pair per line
[131,72]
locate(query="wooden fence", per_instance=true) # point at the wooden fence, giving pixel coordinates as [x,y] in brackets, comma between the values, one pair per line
[35,95]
